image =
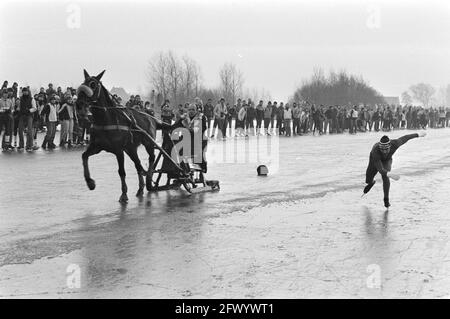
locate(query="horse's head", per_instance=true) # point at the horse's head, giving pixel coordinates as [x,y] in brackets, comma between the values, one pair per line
[92,92]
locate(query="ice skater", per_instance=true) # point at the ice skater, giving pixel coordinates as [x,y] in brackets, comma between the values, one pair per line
[380,161]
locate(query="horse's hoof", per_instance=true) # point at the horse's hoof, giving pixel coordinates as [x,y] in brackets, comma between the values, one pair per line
[123,198]
[140,192]
[91,184]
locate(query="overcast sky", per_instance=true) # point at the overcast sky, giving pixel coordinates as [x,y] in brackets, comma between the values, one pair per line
[276,44]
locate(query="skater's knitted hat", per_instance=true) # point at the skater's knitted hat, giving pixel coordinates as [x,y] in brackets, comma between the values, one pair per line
[385,142]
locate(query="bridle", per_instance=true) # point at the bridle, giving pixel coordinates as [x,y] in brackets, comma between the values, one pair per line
[99,88]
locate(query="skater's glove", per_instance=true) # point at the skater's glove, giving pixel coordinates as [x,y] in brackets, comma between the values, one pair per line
[422,134]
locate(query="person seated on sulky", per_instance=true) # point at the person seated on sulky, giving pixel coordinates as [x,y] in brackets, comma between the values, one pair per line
[192,124]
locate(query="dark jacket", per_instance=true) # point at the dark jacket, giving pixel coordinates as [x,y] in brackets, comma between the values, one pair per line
[25,105]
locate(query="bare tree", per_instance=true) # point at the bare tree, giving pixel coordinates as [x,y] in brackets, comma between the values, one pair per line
[178,80]
[191,77]
[406,98]
[442,96]
[158,72]
[231,82]
[174,76]
[422,92]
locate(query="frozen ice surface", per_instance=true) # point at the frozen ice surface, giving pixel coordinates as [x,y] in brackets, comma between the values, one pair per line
[301,232]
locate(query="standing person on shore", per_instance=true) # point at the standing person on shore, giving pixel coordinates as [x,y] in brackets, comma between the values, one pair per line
[225,120]
[380,161]
[409,117]
[208,111]
[242,116]
[370,118]
[333,124]
[328,120]
[83,123]
[219,118]
[267,117]
[14,115]
[442,115]
[317,119]
[238,125]
[231,114]
[340,123]
[304,120]
[280,113]
[274,115]
[387,119]
[250,123]
[287,119]
[6,108]
[50,91]
[41,100]
[50,117]
[259,117]
[353,120]
[447,117]
[403,122]
[376,119]
[67,117]
[296,112]
[27,107]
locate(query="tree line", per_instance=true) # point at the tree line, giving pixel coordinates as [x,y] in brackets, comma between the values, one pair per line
[180,80]
[338,88]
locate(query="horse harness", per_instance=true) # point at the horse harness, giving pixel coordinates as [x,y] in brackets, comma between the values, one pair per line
[119,127]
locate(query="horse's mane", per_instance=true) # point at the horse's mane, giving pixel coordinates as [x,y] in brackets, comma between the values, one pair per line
[108,97]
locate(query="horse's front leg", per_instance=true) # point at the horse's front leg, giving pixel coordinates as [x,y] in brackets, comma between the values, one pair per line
[132,153]
[91,150]
[120,160]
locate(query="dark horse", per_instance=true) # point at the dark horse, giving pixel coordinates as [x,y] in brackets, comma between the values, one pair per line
[117,129]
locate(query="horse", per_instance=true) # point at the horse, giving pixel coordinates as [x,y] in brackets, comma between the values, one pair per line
[116,129]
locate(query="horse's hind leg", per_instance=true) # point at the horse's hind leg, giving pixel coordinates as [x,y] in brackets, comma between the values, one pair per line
[120,160]
[132,153]
[91,150]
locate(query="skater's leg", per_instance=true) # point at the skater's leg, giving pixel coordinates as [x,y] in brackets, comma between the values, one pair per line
[386,182]
[370,174]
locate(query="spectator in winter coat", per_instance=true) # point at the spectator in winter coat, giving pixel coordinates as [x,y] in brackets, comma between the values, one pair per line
[67,117]
[296,113]
[279,116]
[251,114]
[6,108]
[50,91]
[220,113]
[27,107]
[287,119]
[259,116]
[267,117]
[50,117]
[208,111]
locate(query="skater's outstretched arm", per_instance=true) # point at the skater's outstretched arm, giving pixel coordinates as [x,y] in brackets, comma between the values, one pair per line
[402,140]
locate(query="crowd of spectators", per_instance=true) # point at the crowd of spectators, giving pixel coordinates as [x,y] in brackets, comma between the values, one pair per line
[272,118]
[24,114]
